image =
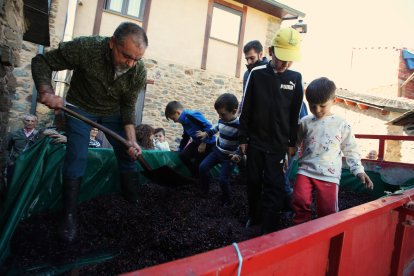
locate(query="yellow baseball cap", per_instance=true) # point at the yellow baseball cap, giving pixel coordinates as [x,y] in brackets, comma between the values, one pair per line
[287,44]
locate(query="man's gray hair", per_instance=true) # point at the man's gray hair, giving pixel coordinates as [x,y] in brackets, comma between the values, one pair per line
[126,29]
[28,115]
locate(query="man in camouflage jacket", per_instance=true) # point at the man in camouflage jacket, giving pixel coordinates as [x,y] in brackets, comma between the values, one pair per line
[108,74]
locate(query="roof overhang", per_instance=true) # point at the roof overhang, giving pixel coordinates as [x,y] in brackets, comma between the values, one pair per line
[404,119]
[36,16]
[273,8]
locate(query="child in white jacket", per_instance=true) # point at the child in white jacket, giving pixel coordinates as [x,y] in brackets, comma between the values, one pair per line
[324,138]
[159,140]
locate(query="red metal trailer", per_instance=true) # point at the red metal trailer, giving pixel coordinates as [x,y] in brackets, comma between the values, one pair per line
[376,238]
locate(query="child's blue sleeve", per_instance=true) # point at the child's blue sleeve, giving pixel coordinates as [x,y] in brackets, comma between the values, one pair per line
[205,124]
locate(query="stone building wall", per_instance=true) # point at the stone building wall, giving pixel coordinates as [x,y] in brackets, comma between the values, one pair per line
[195,88]
[11,34]
[57,17]
[22,102]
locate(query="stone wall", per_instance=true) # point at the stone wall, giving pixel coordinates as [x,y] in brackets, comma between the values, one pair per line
[194,88]
[273,25]
[11,33]
[22,101]
[57,17]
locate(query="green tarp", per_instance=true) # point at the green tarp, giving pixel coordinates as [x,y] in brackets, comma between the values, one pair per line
[37,183]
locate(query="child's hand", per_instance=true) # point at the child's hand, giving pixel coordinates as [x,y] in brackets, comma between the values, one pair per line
[286,165]
[58,139]
[364,178]
[243,148]
[291,152]
[201,134]
[235,158]
[202,147]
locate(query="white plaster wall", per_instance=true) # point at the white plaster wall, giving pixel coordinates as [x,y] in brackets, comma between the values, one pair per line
[219,56]
[110,21]
[176,31]
[85,18]
[256,28]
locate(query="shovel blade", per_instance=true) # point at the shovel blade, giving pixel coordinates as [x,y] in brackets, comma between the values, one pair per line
[165,176]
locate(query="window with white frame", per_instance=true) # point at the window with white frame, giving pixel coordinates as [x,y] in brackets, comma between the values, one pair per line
[225,24]
[134,8]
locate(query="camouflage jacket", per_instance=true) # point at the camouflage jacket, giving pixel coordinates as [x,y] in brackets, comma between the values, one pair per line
[93,86]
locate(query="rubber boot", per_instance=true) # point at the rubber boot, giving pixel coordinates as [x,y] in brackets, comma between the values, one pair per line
[68,227]
[130,186]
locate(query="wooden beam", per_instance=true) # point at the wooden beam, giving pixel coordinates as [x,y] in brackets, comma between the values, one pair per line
[146,15]
[241,39]
[98,17]
[207,34]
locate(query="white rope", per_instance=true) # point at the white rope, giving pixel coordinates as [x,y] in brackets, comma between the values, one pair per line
[240,258]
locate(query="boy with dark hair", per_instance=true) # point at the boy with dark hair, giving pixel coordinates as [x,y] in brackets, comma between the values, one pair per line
[226,150]
[192,121]
[268,127]
[325,138]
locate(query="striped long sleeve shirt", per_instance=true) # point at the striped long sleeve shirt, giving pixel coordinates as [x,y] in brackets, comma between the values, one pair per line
[228,141]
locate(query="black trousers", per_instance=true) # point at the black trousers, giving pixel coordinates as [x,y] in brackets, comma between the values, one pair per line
[265,184]
[192,158]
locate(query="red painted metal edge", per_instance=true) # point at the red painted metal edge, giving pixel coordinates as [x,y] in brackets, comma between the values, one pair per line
[273,248]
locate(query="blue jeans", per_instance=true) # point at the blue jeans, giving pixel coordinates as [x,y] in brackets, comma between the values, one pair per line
[227,167]
[77,133]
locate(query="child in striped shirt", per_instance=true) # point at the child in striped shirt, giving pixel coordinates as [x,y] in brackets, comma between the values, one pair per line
[226,150]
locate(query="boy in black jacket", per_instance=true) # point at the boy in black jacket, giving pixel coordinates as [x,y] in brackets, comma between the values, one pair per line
[268,127]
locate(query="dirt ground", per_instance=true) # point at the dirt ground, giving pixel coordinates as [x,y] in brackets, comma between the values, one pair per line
[168,224]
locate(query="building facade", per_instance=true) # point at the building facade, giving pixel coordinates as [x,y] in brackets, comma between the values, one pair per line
[194,54]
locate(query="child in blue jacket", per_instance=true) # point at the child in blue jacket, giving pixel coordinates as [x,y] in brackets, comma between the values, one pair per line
[192,121]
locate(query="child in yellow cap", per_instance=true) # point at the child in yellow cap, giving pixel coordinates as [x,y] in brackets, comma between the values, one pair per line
[268,127]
